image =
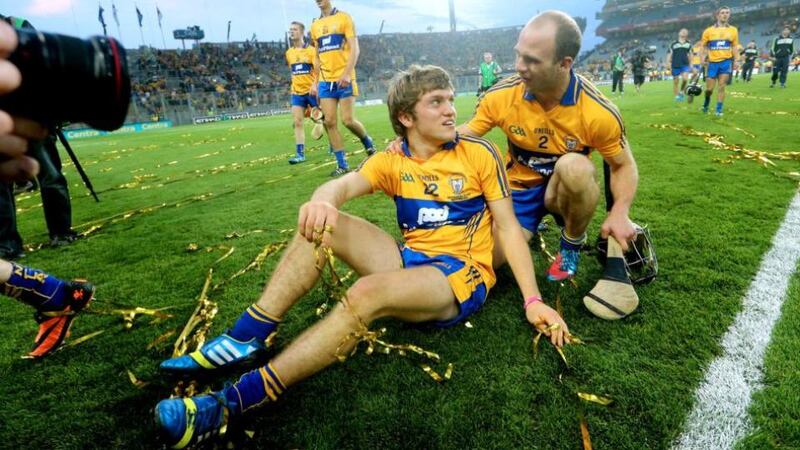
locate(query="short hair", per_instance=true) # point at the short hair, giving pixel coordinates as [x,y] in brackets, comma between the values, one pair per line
[408,86]
[299,24]
[568,34]
[721,8]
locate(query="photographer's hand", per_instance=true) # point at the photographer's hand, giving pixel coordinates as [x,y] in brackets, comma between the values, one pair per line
[14,132]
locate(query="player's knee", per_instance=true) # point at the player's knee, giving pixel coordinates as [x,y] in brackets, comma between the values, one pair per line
[349,121]
[298,122]
[329,121]
[575,171]
[365,299]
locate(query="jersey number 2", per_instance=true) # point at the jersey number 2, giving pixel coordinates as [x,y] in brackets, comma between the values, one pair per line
[543,142]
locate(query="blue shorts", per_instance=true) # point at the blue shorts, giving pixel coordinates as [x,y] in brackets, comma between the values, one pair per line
[716,69]
[697,67]
[466,283]
[304,101]
[680,70]
[329,89]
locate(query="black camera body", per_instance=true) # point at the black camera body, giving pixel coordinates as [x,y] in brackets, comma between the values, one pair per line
[66,79]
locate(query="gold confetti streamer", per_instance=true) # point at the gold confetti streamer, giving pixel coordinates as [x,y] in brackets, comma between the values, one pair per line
[83,339]
[763,158]
[203,316]
[135,381]
[585,438]
[236,235]
[603,401]
[372,339]
[157,341]
[226,255]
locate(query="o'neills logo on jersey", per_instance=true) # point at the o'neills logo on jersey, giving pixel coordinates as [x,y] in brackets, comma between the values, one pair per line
[571,142]
[432,215]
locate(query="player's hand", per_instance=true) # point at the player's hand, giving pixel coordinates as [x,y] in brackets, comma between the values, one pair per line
[14,132]
[542,317]
[317,220]
[344,81]
[619,226]
[396,146]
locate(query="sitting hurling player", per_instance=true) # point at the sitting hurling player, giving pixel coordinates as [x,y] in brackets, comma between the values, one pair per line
[449,191]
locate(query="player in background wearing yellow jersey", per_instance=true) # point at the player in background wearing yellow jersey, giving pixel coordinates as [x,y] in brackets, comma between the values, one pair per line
[553,118]
[300,57]
[720,44]
[449,192]
[333,35]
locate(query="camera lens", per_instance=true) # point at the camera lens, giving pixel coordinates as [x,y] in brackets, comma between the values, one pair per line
[66,79]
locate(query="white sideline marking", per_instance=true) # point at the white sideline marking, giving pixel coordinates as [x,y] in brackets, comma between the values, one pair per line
[719,417]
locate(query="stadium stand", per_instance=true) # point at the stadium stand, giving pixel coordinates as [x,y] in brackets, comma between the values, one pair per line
[631,24]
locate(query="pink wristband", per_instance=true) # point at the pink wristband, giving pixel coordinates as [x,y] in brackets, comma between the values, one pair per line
[531,300]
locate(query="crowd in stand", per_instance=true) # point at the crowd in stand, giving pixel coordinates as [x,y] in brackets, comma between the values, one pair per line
[237,76]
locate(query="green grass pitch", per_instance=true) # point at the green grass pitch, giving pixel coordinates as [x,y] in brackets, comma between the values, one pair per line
[711,224]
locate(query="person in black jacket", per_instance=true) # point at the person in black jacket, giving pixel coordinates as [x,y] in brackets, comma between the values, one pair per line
[782,50]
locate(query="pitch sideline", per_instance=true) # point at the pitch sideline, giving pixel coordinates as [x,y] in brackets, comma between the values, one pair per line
[720,417]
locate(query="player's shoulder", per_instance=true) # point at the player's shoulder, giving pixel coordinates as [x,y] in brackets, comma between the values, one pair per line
[342,15]
[596,107]
[475,146]
[506,88]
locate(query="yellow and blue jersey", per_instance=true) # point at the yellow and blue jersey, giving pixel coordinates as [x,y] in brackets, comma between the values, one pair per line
[331,36]
[301,62]
[584,120]
[442,201]
[695,55]
[721,42]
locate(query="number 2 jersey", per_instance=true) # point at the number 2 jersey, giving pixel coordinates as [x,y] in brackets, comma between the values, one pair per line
[584,120]
[442,201]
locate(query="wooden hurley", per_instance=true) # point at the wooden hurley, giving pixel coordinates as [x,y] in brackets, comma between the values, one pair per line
[613,297]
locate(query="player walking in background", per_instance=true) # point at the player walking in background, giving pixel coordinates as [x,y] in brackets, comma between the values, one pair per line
[639,65]
[678,60]
[782,50]
[617,71]
[488,72]
[300,57]
[333,36]
[720,42]
[750,54]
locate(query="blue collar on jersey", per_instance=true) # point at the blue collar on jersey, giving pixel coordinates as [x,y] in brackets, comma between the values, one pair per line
[446,146]
[570,98]
[333,11]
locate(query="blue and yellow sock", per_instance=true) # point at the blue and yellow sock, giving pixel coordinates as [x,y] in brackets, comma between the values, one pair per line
[301,150]
[254,389]
[367,142]
[719,107]
[254,323]
[34,287]
[570,243]
[340,158]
